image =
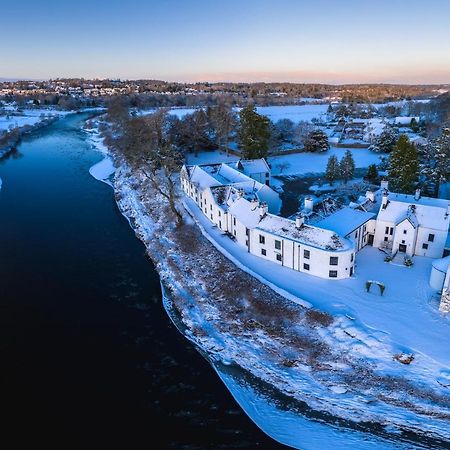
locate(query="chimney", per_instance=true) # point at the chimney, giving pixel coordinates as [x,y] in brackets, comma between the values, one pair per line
[240,192]
[417,195]
[384,185]
[385,199]
[299,221]
[370,195]
[254,204]
[309,204]
[263,209]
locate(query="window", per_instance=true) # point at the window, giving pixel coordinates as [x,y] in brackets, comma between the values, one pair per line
[220,214]
[425,246]
[206,211]
[391,231]
[306,254]
[234,220]
[356,234]
[278,257]
[210,207]
[352,257]
[334,260]
[263,251]
[211,217]
[267,175]
[278,245]
[405,231]
[234,232]
[332,273]
[220,224]
[431,238]
[306,266]
[386,231]
[247,232]
[403,241]
[385,239]
[262,239]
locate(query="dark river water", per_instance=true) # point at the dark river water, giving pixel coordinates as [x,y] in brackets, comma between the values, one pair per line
[89,357]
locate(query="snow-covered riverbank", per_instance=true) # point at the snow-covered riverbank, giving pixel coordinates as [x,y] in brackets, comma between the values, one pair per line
[237,319]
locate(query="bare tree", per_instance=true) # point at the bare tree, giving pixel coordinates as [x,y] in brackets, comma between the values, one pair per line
[147,147]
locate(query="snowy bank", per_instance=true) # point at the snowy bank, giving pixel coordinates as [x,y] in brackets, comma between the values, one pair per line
[339,367]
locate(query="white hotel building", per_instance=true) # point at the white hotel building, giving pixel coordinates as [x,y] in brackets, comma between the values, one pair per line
[234,200]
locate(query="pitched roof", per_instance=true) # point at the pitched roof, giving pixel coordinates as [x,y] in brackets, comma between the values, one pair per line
[345,220]
[429,212]
[250,166]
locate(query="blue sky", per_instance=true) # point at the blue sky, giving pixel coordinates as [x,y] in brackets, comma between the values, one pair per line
[247,40]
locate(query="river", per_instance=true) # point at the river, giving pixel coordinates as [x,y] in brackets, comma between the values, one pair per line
[89,355]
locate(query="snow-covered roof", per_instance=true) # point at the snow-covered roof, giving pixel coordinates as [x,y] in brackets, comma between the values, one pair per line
[306,234]
[250,166]
[429,212]
[246,212]
[441,264]
[345,220]
[201,178]
[405,120]
[212,175]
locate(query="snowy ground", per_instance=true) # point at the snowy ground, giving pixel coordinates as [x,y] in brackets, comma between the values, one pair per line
[342,366]
[103,170]
[296,163]
[296,113]
[408,298]
[27,117]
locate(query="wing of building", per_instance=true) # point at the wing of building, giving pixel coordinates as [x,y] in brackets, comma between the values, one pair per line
[247,210]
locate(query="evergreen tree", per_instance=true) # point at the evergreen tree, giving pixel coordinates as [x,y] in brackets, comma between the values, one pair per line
[330,109]
[372,173]
[347,166]
[386,141]
[332,172]
[254,133]
[436,160]
[316,141]
[403,166]
[414,125]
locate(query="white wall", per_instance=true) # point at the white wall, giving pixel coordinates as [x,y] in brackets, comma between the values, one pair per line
[435,248]
[408,239]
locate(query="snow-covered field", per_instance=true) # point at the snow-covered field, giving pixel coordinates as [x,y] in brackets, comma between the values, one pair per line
[27,117]
[296,113]
[296,163]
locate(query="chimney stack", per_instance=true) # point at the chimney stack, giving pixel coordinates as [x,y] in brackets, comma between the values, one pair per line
[299,221]
[385,198]
[370,195]
[263,209]
[309,204]
[417,195]
[384,185]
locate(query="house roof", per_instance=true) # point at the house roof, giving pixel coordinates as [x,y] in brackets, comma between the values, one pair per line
[345,220]
[429,212]
[306,234]
[250,166]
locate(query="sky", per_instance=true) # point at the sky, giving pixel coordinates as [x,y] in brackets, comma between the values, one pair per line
[340,41]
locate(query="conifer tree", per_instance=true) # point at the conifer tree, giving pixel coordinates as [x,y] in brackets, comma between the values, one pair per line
[332,172]
[403,166]
[372,173]
[254,133]
[347,166]
[386,141]
[316,141]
